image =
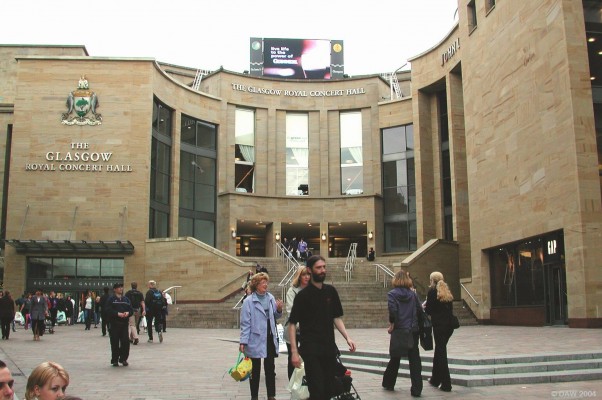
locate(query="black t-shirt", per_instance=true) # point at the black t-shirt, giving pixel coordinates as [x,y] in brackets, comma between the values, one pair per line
[315,310]
[136,298]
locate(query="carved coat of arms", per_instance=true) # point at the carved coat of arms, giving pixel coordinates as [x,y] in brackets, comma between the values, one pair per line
[81,106]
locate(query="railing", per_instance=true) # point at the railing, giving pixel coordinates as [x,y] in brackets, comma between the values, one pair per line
[383,272]
[350,261]
[470,294]
[174,298]
[286,256]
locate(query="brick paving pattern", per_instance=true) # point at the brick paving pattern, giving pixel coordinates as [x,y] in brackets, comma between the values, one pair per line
[192,363]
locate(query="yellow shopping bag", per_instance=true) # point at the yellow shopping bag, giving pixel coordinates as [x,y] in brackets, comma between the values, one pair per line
[242,370]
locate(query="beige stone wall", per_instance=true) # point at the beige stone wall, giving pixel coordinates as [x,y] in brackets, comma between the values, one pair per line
[520,103]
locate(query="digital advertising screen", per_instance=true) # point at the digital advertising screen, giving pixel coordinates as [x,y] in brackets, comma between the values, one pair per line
[297,58]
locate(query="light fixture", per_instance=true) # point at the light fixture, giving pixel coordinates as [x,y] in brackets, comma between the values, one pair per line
[370,235]
[323,237]
[277,236]
[233,233]
[246,249]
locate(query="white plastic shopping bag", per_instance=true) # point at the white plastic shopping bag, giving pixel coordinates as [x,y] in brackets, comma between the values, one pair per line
[19,318]
[281,343]
[298,385]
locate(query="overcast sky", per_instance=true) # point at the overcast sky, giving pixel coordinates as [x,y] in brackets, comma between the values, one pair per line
[379,36]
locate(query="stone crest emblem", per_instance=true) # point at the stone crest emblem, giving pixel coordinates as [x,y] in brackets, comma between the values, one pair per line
[81,106]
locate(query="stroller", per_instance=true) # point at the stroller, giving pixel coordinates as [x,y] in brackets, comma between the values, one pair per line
[344,388]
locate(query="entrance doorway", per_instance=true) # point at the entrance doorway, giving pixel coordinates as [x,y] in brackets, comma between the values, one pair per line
[555,294]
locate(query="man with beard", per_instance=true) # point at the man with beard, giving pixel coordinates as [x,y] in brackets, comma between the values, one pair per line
[315,309]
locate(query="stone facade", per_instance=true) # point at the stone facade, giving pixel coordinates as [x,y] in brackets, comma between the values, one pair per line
[522,144]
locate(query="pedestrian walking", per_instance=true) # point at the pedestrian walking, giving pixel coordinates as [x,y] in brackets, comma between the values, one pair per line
[316,308]
[258,336]
[38,313]
[155,302]
[48,381]
[119,310]
[137,300]
[7,314]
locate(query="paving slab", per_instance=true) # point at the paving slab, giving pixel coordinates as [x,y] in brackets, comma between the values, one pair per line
[193,363]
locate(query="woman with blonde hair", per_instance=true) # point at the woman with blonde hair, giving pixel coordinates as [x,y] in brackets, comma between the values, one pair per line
[439,307]
[403,304]
[258,336]
[299,282]
[48,381]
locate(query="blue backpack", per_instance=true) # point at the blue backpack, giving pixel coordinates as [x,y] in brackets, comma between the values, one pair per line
[158,302]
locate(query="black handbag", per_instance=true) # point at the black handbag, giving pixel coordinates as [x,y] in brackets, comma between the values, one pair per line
[426,330]
[401,342]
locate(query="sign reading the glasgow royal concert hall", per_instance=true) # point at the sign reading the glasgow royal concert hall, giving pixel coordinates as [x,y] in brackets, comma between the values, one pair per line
[78,157]
[81,106]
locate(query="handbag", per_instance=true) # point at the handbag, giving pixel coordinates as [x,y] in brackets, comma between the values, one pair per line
[426,329]
[242,370]
[297,385]
[401,342]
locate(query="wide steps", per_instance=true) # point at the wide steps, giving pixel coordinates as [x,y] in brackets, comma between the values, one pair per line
[498,370]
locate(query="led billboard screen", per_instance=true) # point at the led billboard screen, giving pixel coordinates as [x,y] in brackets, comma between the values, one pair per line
[297,58]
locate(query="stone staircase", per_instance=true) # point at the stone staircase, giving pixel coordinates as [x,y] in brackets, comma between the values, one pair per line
[495,370]
[364,299]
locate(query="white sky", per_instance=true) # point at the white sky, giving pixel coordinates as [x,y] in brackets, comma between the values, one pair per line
[378,36]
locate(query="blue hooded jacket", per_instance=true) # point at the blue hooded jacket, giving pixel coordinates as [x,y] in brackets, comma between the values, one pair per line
[403,305]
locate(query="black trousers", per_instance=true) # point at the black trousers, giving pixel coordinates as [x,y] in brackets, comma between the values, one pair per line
[104,319]
[149,324]
[5,322]
[269,369]
[120,341]
[440,367]
[53,313]
[390,375]
[319,372]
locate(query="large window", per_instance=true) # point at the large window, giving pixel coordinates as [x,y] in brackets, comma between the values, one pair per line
[297,150]
[399,188]
[446,178]
[244,157]
[160,171]
[66,268]
[352,166]
[517,275]
[198,180]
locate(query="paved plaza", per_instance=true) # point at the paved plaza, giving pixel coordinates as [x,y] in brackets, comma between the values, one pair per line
[193,363]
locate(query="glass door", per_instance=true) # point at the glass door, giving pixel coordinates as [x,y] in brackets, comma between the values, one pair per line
[556,298]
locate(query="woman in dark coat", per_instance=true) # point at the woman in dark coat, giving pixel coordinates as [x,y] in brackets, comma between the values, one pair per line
[439,307]
[38,312]
[7,313]
[403,304]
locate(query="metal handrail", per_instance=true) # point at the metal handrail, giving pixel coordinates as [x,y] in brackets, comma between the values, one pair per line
[382,270]
[174,299]
[350,261]
[470,294]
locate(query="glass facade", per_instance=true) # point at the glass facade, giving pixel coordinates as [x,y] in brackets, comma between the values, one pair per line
[297,154]
[520,272]
[446,179]
[399,188]
[198,191]
[244,156]
[65,268]
[352,166]
[160,171]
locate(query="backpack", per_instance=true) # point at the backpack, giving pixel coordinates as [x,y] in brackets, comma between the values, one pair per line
[157,300]
[135,297]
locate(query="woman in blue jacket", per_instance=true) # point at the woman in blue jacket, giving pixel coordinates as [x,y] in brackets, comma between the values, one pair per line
[258,336]
[404,308]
